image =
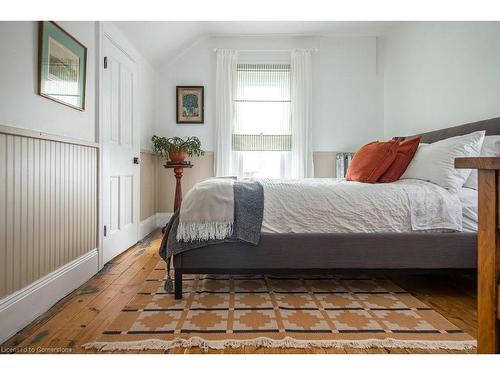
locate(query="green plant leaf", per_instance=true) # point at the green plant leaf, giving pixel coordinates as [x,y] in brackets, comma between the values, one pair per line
[163,146]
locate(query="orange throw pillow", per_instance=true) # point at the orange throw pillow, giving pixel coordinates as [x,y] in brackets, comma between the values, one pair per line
[371,161]
[406,152]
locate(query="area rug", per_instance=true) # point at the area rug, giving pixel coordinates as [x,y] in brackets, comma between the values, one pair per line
[220,311]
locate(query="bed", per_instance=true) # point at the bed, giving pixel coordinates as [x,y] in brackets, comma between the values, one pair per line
[317,253]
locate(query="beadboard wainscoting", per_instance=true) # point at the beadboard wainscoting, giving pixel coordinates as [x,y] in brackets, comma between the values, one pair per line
[203,168]
[48,222]
[324,164]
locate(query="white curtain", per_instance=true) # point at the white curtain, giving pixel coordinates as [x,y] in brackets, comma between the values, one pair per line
[301,157]
[297,163]
[224,111]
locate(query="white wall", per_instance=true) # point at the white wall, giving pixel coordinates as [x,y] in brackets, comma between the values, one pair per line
[348,94]
[20,106]
[434,74]
[440,74]
[347,90]
[147,102]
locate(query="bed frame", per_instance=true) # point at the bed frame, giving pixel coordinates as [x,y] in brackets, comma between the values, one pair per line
[286,253]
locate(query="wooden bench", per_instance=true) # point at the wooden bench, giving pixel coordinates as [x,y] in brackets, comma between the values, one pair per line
[488,243]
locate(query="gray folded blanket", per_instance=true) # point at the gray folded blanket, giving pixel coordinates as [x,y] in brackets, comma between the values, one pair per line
[248,215]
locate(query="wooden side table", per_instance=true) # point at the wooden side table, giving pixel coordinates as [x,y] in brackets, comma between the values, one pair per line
[178,172]
[488,251]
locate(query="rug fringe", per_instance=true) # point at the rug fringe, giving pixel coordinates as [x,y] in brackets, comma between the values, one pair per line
[287,342]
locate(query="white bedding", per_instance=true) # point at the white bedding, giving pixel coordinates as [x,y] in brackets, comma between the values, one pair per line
[468,199]
[336,206]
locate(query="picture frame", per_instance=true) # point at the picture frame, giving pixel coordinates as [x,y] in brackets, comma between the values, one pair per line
[62,66]
[189,104]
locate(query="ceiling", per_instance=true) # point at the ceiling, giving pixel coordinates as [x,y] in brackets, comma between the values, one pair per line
[160,41]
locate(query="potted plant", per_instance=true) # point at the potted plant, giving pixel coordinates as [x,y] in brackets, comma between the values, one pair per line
[177,149]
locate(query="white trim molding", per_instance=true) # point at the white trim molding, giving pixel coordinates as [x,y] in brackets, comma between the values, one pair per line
[162,218]
[147,226]
[22,307]
[14,130]
[153,222]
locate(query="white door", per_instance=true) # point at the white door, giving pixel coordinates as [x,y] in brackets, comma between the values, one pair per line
[120,145]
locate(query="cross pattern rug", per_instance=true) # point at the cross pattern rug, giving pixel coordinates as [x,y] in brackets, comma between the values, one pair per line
[219,311]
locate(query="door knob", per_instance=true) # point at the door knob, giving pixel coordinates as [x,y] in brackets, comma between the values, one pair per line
[136,160]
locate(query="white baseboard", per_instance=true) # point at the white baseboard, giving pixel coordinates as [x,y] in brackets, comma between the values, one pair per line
[19,309]
[153,222]
[162,218]
[147,226]
[22,307]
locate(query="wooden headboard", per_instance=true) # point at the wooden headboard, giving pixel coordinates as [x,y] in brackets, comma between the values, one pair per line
[492,127]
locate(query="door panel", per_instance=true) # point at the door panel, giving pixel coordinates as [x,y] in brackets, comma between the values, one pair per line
[120,145]
[114,197]
[128,197]
[126,104]
[111,97]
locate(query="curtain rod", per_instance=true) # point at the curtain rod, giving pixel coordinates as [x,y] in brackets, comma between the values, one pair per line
[314,50]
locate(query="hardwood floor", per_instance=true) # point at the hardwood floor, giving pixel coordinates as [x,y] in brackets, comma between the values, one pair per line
[82,315]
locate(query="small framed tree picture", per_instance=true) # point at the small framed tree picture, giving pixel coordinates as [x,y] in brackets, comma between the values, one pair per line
[189,104]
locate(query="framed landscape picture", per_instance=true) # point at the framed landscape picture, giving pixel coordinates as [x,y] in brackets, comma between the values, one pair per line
[189,104]
[62,66]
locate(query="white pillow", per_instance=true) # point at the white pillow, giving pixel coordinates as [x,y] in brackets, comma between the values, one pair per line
[435,162]
[491,147]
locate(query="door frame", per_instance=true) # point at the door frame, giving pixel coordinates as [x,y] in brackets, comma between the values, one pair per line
[105,29]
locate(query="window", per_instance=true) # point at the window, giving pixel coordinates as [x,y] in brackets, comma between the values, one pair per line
[262,136]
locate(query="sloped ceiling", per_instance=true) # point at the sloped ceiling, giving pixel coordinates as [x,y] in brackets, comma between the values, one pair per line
[160,41]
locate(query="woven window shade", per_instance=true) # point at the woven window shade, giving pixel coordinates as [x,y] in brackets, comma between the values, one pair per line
[262,108]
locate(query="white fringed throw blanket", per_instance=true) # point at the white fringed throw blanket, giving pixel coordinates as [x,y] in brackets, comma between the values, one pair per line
[207,211]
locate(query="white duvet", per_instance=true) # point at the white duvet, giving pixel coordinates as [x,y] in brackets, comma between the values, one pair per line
[334,206]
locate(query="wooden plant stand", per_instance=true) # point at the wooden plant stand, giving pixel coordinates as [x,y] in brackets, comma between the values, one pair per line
[178,172]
